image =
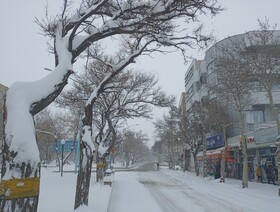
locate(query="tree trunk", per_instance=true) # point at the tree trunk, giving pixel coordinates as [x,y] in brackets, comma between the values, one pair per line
[223,161]
[84,176]
[195,165]
[245,164]
[19,199]
[12,199]
[204,165]
[243,141]
[86,158]
[99,168]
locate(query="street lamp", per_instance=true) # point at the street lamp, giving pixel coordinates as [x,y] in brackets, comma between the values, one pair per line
[62,149]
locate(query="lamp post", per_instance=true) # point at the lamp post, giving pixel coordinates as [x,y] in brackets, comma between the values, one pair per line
[62,149]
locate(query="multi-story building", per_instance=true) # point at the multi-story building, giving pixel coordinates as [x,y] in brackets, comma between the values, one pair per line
[260,126]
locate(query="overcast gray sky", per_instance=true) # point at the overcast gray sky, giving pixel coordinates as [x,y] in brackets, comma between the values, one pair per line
[23,51]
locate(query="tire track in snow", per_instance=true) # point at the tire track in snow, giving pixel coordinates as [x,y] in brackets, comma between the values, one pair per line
[213,204]
[169,194]
[164,188]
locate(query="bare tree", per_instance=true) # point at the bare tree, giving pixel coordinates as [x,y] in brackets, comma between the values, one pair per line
[134,147]
[47,135]
[231,88]
[207,116]
[127,96]
[200,118]
[73,31]
[168,134]
[262,54]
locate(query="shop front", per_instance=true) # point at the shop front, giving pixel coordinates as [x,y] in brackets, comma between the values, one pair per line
[261,149]
[265,141]
[214,151]
[233,162]
[214,157]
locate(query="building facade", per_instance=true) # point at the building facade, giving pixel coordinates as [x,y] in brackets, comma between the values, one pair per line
[260,127]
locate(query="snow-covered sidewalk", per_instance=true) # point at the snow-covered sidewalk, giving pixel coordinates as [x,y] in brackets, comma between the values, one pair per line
[165,190]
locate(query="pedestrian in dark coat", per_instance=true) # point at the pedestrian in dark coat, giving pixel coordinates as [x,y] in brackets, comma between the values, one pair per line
[218,171]
[270,174]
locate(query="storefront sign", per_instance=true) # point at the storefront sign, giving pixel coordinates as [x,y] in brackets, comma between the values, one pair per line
[265,135]
[214,141]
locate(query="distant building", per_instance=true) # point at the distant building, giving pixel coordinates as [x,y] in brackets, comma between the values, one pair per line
[3,90]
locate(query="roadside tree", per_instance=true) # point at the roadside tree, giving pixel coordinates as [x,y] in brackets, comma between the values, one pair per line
[231,88]
[129,95]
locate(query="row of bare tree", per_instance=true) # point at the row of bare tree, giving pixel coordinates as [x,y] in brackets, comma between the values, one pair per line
[238,65]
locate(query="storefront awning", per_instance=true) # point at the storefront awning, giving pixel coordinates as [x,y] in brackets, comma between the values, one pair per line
[211,154]
[216,154]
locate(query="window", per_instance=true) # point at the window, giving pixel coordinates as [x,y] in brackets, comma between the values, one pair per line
[189,76]
[254,117]
[189,92]
[211,68]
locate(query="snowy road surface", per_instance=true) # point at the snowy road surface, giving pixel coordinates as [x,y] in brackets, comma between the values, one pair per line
[167,191]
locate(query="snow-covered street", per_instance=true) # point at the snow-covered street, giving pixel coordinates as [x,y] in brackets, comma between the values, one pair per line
[157,191]
[168,190]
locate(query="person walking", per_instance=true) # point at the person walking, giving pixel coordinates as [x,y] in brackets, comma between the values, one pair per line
[217,171]
[270,174]
[259,173]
